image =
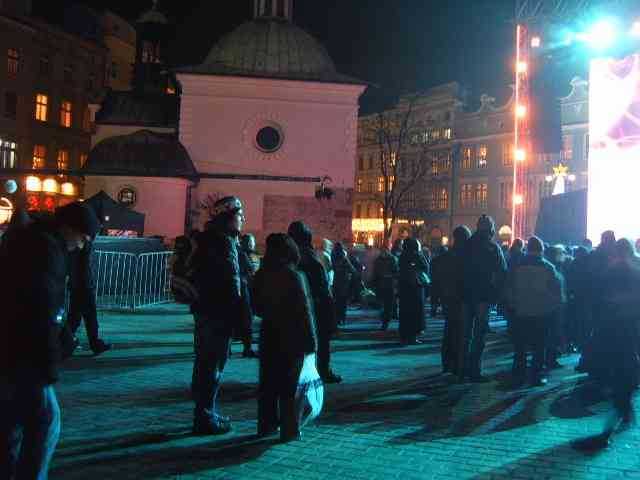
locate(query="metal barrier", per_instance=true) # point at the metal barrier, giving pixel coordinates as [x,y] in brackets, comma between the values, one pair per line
[127,280]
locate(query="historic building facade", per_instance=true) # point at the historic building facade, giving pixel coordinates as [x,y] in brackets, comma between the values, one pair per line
[47,79]
[477,173]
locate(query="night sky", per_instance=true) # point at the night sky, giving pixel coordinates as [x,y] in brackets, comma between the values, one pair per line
[398,45]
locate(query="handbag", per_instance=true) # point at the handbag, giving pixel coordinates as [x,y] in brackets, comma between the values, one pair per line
[421,278]
[310,392]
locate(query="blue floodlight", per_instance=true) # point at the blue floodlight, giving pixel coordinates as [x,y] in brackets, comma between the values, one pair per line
[601,35]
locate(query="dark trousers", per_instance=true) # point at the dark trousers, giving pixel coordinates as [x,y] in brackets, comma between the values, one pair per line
[324,351]
[75,316]
[387,297]
[212,352]
[453,338]
[30,423]
[341,308]
[476,326]
[529,333]
[279,377]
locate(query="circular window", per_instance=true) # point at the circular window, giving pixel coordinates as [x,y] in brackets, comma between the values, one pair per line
[127,196]
[269,139]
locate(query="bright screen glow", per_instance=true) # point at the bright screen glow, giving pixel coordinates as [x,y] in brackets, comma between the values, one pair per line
[614,148]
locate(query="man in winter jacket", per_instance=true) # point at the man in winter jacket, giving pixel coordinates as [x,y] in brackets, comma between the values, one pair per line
[385,276]
[484,272]
[217,311]
[32,293]
[535,292]
[324,308]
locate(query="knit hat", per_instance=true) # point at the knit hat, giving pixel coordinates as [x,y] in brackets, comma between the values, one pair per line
[227,205]
[79,217]
[300,233]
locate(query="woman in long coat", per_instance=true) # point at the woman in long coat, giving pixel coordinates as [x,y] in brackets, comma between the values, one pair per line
[287,334]
[414,279]
[343,276]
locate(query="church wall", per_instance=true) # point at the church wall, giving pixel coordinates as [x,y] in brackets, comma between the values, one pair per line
[162,200]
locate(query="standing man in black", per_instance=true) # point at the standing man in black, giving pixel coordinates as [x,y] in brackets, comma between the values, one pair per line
[322,298]
[82,303]
[217,310]
[385,276]
[32,293]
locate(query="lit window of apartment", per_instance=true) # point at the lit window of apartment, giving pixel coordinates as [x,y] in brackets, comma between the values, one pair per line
[370,188]
[39,156]
[65,113]
[392,182]
[436,134]
[435,169]
[8,154]
[394,159]
[567,147]
[447,133]
[445,160]
[466,195]
[507,154]
[10,105]
[433,199]
[359,186]
[381,184]
[83,159]
[42,105]
[425,137]
[63,160]
[481,195]
[506,194]
[482,156]
[13,61]
[443,199]
[467,158]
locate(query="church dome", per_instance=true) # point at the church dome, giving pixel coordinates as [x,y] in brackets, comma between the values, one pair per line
[153,15]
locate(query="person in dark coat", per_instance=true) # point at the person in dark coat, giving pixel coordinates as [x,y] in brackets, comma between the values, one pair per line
[414,278]
[324,309]
[484,273]
[249,265]
[82,302]
[385,276]
[287,334]
[448,270]
[217,311]
[343,273]
[34,263]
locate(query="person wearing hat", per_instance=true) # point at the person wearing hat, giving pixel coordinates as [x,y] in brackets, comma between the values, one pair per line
[218,310]
[484,273]
[32,294]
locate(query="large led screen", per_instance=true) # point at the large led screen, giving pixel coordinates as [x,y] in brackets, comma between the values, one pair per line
[614,148]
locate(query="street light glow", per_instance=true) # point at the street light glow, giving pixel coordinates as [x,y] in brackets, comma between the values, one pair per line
[518,199]
[521,111]
[535,42]
[521,67]
[601,35]
[521,155]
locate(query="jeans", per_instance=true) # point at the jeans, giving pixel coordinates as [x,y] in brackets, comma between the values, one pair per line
[476,326]
[30,430]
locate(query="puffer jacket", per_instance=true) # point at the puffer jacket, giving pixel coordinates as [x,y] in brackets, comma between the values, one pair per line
[534,288]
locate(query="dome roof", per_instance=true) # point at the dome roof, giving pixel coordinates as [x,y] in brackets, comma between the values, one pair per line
[142,153]
[153,15]
[270,48]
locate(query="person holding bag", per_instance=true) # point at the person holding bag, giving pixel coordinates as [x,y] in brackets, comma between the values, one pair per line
[287,336]
[414,279]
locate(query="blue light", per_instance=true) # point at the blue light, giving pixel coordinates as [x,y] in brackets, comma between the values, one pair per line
[602,35]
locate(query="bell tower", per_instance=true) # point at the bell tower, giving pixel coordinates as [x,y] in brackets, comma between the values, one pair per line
[150,71]
[273,9]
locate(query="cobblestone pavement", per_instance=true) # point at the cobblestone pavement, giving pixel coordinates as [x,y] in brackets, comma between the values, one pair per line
[127,414]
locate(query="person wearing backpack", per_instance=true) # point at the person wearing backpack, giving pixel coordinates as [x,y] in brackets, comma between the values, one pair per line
[34,261]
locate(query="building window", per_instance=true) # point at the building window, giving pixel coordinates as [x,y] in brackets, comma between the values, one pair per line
[446,161]
[63,159]
[360,163]
[433,199]
[83,159]
[68,74]
[393,159]
[39,156]
[545,189]
[482,156]
[150,52]
[358,213]
[44,66]
[466,195]
[446,133]
[10,105]
[506,194]
[369,211]
[13,61]
[65,113]
[380,184]
[392,182]
[435,169]
[443,199]
[359,185]
[467,157]
[481,195]
[42,102]
[507,154]
[370,188]
[567,147]
[8,154]
[436,134]
[370,162]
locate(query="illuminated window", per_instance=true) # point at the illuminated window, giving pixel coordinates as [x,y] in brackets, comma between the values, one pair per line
[10,105]
[8,154]
[392,181]
[446,161]
[359,185]
[442,199]
[446,134]
[506,194]
[13,61]
[83,159]
[381,184]
[466,195]
[567,147]
[65,114]
[433,199]
[481,195]
[507,154]
[42,102]
[370,188]
[482,156]
[435,169]
[394,158]
[467,158]
[63,159]
[39,156]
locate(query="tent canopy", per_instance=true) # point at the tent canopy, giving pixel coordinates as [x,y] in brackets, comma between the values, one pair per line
[115,216]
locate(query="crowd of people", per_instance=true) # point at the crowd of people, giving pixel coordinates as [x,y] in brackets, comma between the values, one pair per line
[556,300]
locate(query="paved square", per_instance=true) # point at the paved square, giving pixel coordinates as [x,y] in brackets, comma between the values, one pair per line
[127,414]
